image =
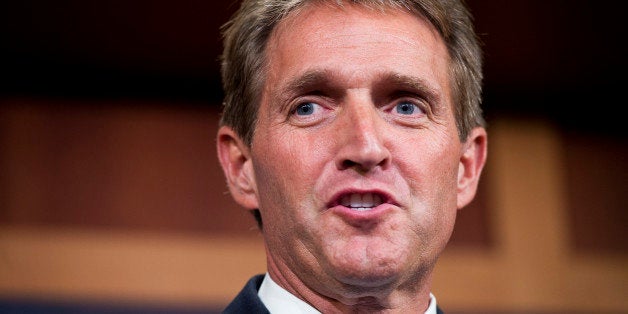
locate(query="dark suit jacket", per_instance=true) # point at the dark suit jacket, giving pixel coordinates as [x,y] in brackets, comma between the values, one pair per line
[247,301]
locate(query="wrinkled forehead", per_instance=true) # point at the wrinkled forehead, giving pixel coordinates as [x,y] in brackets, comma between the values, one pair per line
[358,31]
[303,7]
[343,11]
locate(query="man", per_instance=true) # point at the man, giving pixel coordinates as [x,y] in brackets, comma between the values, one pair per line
[352,130]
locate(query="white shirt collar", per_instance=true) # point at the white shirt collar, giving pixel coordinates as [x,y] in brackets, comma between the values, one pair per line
[279,301]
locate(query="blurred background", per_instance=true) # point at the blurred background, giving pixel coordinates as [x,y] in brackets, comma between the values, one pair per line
[112,199]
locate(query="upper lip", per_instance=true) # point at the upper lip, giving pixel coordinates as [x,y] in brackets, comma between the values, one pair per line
[337,199]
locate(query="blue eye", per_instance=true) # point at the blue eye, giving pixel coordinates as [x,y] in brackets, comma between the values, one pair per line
[405,108]
[305,109]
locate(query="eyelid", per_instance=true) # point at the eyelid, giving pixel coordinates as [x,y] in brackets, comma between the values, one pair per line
[316,97]
[417,119]
[421,103]
[321,107]
[297,105]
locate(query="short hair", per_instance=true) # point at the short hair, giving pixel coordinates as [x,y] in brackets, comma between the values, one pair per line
[244,60]
[245,36]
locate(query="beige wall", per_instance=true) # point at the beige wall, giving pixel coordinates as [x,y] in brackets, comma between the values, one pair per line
[125,202]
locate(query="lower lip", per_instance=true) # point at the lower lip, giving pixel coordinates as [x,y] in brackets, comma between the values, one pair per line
[355,216]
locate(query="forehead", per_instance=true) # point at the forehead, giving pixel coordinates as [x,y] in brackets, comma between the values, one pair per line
[320,19]
[359,42]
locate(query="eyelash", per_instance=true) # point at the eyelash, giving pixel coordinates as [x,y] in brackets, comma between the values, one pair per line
[406,102]
[315,116]
[417,102]
[419,105]
[313,106]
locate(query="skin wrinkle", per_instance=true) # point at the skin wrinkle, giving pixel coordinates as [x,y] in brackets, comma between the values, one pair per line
[290,23]
[314,80]
[358,143]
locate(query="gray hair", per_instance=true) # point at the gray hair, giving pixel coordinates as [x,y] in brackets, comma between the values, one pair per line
[246,35]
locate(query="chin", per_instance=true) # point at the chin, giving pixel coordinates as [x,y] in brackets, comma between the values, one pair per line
[371,273]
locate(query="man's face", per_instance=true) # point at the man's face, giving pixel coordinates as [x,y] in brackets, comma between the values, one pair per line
[356,161]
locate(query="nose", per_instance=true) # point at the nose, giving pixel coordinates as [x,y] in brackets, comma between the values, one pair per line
[362,139]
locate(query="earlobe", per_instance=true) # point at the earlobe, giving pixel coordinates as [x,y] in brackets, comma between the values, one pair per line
[472,160]
[237,166]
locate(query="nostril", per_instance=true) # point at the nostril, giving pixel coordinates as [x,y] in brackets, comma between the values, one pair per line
[362,167]
[346,164]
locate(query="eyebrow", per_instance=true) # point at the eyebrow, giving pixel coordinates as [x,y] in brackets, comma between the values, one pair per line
[323,79]
[313,79]
[412,84]
[310,81]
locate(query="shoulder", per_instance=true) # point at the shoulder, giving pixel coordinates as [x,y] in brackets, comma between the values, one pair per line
[247,300]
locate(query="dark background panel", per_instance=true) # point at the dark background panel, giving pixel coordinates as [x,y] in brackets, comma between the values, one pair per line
[559,60]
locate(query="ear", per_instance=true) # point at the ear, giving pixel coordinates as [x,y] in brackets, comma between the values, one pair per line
[472,162]
[235,159]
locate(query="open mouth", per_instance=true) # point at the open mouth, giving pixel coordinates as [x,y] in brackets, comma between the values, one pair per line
[361,201]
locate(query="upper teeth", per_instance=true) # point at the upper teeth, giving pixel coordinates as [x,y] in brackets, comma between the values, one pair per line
[361,201]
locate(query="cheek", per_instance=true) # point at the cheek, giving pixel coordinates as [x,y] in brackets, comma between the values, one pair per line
[299,154]
[286,169]
[431,175]
[429,164]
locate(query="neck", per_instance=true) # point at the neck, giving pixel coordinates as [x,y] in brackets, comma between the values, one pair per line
[411,295]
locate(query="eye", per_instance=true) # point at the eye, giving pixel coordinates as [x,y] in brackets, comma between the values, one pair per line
[309,110]
[407,108]
[306,109]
